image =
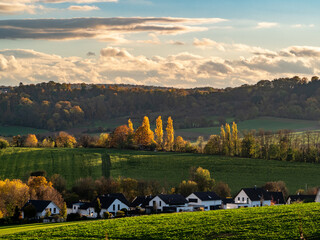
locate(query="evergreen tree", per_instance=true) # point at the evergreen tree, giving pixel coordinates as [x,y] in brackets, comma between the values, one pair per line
[97,207]
[170,135]
[159,133]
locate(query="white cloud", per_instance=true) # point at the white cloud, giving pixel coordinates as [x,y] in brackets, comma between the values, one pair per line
[267,25]
[82,8]
[208,43]
[118,65]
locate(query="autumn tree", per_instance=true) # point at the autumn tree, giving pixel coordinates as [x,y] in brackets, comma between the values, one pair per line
[3,143]
[104,140]
[179,144]
[130,139]
[202,177]
[65,140]
[214,145]
[235,139]
[277,186]
[63,213]
[159,133]
[222,189]
[170,135]
[187,187]
[119,137]
[41,189]
[48,143]
[144,135]
[12,193]
[31,141]
[59,183]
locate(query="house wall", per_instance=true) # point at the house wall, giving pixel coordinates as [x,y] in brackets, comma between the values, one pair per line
[158,202]
[242,199]
[116,206]
[318,196]
[206,204]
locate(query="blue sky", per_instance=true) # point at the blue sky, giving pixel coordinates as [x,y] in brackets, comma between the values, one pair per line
[179,43]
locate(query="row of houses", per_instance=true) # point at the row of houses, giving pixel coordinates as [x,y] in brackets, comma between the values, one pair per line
[112,203]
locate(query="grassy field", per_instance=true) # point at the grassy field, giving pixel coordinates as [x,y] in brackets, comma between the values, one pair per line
[168,168]
[277,222]
[266,123]
[16,130]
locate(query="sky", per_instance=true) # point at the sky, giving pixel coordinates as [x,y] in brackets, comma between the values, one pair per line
[173,43]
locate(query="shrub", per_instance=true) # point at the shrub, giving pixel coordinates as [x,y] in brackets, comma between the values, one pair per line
[73,217]
[3,143]
[107,215]
[120,214]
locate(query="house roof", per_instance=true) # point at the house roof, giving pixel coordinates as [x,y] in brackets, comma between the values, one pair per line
[277,197]
[295,198]
[107,199]
[40,205]
[84,205]
[207,196]
[141,201]
[227,200]
[255,194]
[173,199]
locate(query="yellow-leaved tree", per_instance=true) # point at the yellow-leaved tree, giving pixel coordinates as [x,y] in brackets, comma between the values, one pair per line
[31,141]
[159,133]
[170,135]
[144,135]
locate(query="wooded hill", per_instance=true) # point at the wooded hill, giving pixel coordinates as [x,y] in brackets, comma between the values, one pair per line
[56,106]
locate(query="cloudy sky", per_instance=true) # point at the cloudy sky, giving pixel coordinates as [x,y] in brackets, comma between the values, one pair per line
[179,43]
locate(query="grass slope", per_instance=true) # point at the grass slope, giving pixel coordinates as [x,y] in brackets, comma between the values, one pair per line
[16,130]
[266,123]
[72,164]
[278,222]
[168,168]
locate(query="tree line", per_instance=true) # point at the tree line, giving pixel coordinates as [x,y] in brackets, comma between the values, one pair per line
[56,106]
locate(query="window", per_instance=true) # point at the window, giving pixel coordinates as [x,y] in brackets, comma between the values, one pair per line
[160,204]
[118,206]
[242,199]
[74,207]
[239,199]
[54,210]
[247,200]
[193,200]
[114,207]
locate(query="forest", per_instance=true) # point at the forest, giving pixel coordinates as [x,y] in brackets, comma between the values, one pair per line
[56,106]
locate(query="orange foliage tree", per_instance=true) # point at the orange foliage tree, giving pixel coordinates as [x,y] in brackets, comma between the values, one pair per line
[144,135]
[65,140]
[120,136]
[31,141]
[170,135]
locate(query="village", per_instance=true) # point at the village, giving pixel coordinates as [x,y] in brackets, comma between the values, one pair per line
[116,205]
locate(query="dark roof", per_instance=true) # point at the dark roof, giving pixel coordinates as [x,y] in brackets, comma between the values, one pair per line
[227,200]
[40,205]
[295,198]
[277,197]
[141,201]
[207,196]
[107,199]
[173,199]
[256,194]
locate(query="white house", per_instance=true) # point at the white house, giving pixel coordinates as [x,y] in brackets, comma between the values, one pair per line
[42,207]
[205,200]
[112,203]
[170,203]
[83,208]
[318,196]
[252,197]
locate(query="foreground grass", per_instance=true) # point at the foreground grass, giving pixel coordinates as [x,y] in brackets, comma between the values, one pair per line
[168,168]
[278,222]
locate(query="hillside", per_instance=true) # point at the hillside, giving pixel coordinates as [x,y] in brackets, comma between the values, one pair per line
[168,168]
[54,106]
[278,222]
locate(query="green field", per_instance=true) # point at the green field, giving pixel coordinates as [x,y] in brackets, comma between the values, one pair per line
[168,168]
[18,130]
[277,222]
[266,123]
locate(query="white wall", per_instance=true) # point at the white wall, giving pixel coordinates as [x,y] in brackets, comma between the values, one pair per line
[116,206]
[318,196]
[242,199]
[206,204]
[158,202]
